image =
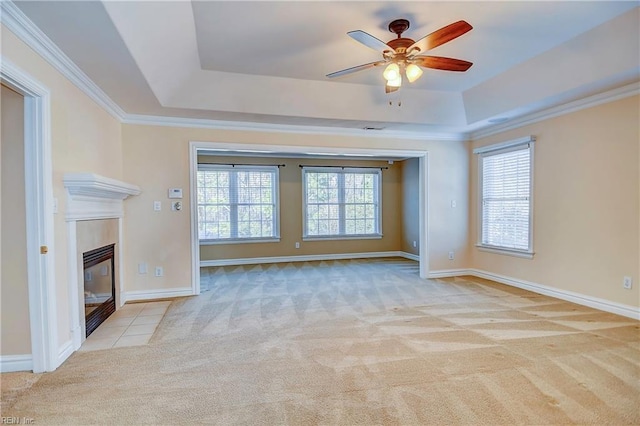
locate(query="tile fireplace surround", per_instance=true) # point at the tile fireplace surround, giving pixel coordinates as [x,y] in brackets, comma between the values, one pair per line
[94,214]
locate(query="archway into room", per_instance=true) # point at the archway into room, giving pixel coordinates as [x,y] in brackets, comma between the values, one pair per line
[197,148]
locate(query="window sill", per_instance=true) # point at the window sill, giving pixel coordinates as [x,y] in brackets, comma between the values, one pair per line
[342,237]
[239,241]
[506,252]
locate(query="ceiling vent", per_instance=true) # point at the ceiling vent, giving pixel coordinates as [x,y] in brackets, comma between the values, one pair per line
[373,128]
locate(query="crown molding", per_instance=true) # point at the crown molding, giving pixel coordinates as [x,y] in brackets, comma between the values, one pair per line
[19,24]
[153,120]
[556,111]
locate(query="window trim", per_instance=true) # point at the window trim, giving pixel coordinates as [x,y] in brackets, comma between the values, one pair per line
[501,148]
[377,235]
[276,194]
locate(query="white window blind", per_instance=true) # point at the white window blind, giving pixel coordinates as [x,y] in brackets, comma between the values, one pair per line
[506,198]
[237,203]
[341,203]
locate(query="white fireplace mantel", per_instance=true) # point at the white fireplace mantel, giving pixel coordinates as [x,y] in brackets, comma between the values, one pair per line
[91,196]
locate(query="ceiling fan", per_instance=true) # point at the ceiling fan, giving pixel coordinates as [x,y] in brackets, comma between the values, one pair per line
[404,55]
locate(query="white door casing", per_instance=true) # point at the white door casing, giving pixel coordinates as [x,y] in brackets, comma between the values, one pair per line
[39,211]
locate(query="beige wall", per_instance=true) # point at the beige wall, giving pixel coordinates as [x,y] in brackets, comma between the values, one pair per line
[410,206]
[448,226]
[15,337]
[291,216]
[84,137]
[586,203]
[157,158]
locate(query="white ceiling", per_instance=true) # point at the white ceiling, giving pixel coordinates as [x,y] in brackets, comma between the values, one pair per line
[266,61]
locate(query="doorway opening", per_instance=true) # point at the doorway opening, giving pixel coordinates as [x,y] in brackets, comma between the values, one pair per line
[198,148]
[45,353]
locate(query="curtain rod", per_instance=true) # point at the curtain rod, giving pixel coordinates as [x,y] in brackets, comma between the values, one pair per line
[302,166]
[242,164]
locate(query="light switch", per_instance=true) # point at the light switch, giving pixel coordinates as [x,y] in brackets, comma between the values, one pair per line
[157,206]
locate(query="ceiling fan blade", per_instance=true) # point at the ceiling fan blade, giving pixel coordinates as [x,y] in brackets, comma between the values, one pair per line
[440,63]
[390,89]
[370,41]
[439,37]
[355,69]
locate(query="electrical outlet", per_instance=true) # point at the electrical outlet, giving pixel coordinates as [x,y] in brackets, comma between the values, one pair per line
[451,255]
[453,204]
[415,244]
[159,271]
[297,245]
[627,283]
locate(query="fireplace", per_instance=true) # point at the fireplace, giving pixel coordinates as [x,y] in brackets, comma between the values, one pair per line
[99,286]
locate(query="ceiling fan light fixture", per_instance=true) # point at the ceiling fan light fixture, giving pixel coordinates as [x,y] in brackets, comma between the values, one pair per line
[392,72]
[397,82]
[413,72]
[404,57]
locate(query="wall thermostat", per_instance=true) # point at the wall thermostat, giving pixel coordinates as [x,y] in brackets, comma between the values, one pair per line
[175,193]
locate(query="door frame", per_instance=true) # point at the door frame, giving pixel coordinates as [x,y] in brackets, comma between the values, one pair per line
[39,215]
[423,188]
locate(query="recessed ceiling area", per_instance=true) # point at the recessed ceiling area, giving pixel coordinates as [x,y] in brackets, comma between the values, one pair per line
[266,62]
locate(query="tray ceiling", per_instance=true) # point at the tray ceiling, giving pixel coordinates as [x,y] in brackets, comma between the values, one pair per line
[265,62]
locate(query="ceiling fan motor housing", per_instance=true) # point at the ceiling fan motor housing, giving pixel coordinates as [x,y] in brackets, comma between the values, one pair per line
[400,44]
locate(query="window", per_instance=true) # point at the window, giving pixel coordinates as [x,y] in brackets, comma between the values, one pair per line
[237,203]
[505,197]
[343,203]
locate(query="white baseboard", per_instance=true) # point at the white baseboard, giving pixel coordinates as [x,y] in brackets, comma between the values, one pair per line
[156,294]
[447,273]
[303,258]
[569,296]
[11,363]
[65,352]
[409,256]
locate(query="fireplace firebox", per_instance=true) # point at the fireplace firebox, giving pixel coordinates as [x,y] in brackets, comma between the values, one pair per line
[99,286]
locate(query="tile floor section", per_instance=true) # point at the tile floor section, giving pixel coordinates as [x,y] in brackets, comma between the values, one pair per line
[131,325]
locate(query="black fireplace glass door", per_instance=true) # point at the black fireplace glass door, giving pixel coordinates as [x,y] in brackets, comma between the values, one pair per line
[99,286]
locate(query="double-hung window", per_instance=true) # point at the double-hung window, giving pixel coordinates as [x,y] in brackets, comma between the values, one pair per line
[342,202]
[237,203]
[505,196]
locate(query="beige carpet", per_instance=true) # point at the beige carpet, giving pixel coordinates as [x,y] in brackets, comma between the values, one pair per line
[354,342]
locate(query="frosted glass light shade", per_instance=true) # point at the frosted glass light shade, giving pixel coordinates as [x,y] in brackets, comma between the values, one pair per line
[413,72]
[392,72]
[395,82]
